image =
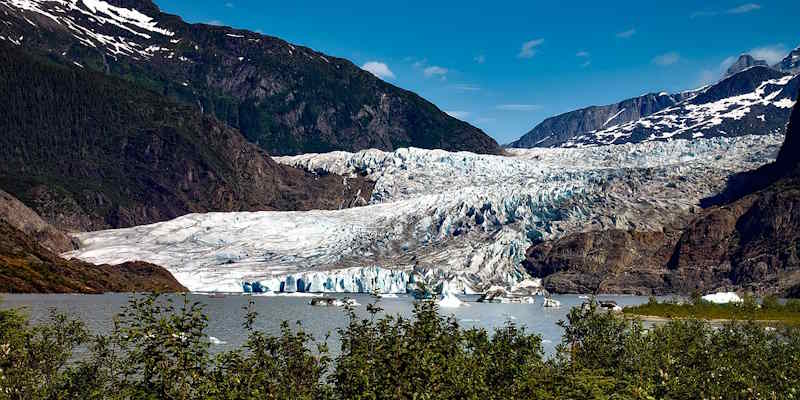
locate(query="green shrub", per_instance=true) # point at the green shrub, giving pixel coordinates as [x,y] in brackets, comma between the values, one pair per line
[158,350]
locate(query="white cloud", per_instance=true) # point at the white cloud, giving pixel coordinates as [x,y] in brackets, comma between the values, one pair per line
[466,87]
[420,63]
[528,49]
[480,59]
[667,59]
[229,5]
[744,8]
[518,107]
[626,34]
[582,53]
[458,114]
[379,69]
[215,22]
[772,54]
[435,70]
[586,63]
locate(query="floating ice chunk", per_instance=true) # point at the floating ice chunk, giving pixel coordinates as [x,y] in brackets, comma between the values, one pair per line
[447,299]
[723,298]
[215,341]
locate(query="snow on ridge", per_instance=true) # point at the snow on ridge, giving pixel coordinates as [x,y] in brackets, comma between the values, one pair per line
[462,217]
[94,15]
[687,117]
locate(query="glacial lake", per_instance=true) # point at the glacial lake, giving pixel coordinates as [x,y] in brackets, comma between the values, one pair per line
[226,314]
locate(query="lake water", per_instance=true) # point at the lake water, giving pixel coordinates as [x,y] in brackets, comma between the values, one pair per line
[226,314]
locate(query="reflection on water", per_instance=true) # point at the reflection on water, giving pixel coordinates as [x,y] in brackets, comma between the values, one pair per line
[226,313]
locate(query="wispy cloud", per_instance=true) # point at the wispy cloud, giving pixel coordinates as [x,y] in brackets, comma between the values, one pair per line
[435,71]
[742,9]
[229,5]
[215,22]
[586,63]
[772,54]
[667,59]
[582,53]
[480,59]
[519,107]
[465,87]
[379,69]
[626,34]
[528,49]
[458,114]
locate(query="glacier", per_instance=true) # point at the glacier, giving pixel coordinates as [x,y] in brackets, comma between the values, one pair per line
[436,216]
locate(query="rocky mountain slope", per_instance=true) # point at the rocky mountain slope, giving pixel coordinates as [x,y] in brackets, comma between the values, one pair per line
[287,99]
[556,130]
[87,151]
[753,98]
[751,242]
[28,267]
[22,218]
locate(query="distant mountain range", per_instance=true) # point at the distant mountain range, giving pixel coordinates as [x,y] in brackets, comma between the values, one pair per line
[753,98]
[287,99]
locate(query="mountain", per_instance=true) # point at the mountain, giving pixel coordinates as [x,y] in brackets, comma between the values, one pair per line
[749,241]
[88,151]
[791,63]
[755,99]
[744,62]
[561,128]
[287,99]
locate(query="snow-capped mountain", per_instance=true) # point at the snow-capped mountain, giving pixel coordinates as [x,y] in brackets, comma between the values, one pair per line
[791,63]
[757,100]
[287,99]
[556,130]
[460,217]
[753,98]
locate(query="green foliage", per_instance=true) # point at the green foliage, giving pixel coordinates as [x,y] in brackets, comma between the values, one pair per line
[768,311]
[158,350]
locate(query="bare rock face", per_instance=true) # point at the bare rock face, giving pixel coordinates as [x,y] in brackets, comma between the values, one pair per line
[22,218]
[744,62]
[749,240]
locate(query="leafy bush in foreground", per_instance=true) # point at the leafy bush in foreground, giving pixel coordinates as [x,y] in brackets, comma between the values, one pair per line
[158,350]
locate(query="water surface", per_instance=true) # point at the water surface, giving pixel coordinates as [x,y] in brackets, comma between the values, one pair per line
[226,314]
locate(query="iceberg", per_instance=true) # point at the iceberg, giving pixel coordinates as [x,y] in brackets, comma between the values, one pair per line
[723,298]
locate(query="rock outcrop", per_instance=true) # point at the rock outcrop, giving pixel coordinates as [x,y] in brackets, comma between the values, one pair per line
[22,218]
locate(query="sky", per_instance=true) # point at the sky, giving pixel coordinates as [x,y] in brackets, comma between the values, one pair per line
[504,66]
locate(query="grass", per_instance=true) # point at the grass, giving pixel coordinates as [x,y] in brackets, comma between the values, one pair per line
[769,310]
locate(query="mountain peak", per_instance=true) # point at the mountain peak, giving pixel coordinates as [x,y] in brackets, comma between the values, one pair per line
[744,62]
[791,63]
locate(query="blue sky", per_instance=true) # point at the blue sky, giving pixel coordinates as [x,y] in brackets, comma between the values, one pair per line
[505,66]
